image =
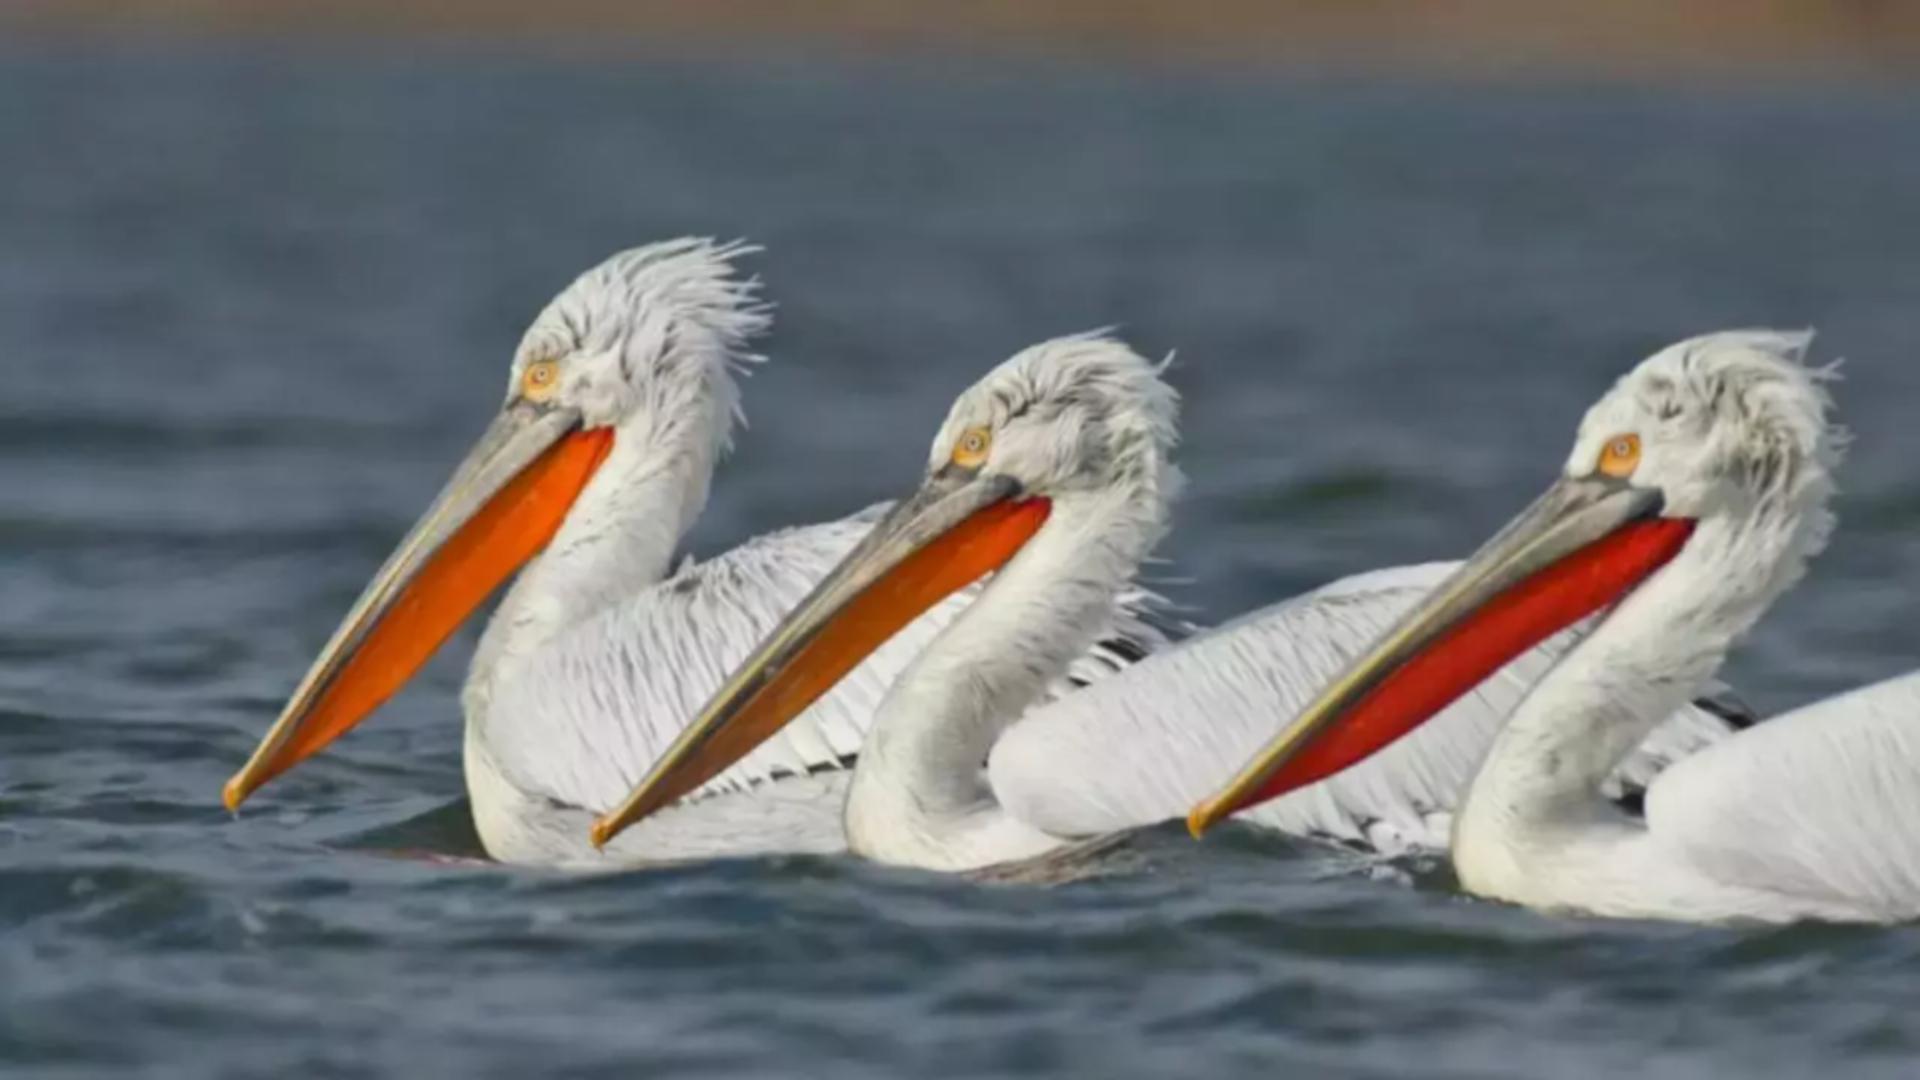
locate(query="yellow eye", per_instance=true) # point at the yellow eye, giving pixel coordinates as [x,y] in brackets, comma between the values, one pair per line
[971,451]
[540,380]
[1621,456]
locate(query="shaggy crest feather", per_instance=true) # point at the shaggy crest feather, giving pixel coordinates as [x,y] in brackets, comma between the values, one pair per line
[1102,414]
[660,329]
[1737,433]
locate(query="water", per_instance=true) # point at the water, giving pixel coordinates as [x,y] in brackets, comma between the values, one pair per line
[255,301]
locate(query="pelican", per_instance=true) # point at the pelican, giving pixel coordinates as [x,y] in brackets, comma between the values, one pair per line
[1054,473]
[1696,492]
[620,401]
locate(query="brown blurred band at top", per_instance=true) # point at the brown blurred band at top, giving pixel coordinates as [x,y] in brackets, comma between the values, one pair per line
[1879,38]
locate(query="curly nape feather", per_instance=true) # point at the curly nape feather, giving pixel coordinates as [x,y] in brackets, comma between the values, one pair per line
[1093,414]
[1737,436]
[1757,416]
[662,328]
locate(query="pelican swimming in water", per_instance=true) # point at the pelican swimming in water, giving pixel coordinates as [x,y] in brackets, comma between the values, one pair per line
[1054,474]
[1695,494]
[619,403]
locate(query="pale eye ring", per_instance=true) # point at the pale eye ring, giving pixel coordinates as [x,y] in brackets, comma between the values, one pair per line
[970,450]
[537,383]
[1621,456]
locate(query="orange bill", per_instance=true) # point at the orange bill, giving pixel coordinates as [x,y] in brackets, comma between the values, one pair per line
[1537,579]
[911,561]
[465,547]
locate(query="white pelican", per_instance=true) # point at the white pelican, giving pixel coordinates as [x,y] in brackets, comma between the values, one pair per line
[1054,472]
[1695,494]
[619,403]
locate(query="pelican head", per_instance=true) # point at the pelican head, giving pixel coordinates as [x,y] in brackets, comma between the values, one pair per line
[1078,414]
[1074,422]
[1720,446]
[1731,425]
[636,350]
[654,333]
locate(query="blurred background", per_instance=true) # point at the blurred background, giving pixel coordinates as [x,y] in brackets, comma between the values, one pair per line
[262,266]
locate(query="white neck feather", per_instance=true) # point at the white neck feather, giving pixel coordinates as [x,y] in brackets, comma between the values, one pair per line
[1537,796]
[618,538]
[919,795]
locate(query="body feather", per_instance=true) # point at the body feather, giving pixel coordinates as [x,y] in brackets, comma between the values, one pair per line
[1815,806]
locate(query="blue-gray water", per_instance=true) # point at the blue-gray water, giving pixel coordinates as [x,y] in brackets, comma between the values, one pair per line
[254,302]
